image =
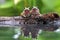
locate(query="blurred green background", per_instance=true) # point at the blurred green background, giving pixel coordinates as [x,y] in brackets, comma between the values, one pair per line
[15,7]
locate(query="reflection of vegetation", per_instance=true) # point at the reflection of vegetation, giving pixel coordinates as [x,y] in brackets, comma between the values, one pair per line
[44,36]
[50,36]
[6,33]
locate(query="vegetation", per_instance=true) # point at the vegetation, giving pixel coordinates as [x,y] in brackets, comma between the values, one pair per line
[12,8]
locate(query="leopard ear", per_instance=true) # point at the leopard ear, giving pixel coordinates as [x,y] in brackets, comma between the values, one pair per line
[28,7]
[25,7]
[35,7]
[55,15]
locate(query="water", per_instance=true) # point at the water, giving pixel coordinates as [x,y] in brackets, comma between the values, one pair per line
[17,33]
